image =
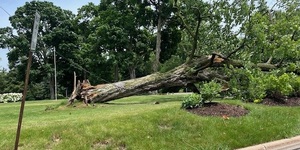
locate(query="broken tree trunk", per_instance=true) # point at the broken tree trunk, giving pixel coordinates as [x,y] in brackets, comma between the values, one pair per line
[200,69]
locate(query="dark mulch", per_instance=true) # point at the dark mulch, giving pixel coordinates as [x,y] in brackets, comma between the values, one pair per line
[292,101]
[220,109]
[227,110]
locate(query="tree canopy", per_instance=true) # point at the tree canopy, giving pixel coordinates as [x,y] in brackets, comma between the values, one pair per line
[123,39]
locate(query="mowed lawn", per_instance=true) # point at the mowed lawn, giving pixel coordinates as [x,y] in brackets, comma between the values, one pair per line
[137,123]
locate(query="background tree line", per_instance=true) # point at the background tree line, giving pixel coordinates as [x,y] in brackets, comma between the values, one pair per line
[124,39]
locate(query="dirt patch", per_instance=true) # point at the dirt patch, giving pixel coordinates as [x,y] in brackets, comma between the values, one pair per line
[122,146]
[291,101]
[102,144]
[56,138]
[220,109]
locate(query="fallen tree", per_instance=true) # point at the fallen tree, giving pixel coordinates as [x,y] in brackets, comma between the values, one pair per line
[199,69]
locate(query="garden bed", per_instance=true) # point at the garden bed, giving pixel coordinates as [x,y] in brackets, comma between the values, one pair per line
[220,109]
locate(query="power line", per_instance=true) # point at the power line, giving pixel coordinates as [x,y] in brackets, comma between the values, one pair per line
[79,67]
[5,11]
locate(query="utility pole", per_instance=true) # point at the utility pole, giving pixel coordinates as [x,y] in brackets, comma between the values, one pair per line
[55,81]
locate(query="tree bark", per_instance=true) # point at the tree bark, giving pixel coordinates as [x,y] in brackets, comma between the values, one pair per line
[132,72]
[116,72]
[199,69]
[51,86]
[158,38]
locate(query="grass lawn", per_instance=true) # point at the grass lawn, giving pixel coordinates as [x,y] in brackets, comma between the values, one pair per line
[137,123]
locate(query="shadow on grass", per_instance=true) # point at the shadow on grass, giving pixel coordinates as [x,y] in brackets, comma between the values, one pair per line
[148,101]
[55,106]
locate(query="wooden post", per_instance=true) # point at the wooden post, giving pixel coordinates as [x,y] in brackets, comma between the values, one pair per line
[23,101]
[32,48]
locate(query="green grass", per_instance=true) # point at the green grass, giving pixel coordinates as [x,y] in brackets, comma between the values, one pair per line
[137,123]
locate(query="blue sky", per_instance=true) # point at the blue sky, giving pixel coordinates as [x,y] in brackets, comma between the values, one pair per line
[8,7]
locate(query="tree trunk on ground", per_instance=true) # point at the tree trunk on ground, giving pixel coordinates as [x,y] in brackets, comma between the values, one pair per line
[199,69]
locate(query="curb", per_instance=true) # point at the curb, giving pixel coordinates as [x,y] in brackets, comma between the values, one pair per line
[284,144]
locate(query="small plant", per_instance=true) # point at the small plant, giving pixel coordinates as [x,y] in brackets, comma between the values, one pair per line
[209,91]
[257,101]
[191,101]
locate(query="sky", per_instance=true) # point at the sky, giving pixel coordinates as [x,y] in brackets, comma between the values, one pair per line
[8,8]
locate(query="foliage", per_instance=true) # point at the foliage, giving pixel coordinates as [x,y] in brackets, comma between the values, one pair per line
[191,101]
[56,30]
[286,84]
[10,97]
[115,40]
[275,33]
[3,82]
[208,91]
[247,84]
[296,85]
[254,85]
[9,83]
[171,63]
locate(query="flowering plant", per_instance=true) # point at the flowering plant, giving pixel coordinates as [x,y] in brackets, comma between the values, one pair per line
[10,97]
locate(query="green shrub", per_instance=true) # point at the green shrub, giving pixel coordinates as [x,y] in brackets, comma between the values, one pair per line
[210,90]
[279,86]
[191,101]
[296,86]
[253,84]
[247,84]
[257,88]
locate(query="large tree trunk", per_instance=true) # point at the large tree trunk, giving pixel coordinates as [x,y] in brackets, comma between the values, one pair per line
[160,23]
[200,69]
[132,72]
[116,72]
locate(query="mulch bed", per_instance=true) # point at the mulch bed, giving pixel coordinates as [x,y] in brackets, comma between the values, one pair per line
[220,109]
[292,101]
[227,110]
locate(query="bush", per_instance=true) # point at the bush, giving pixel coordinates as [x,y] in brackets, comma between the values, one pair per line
[191,101]
[247,84]
[296,86]
[287,84]
[10,97]
[279,86]
[210,90]
[253,84]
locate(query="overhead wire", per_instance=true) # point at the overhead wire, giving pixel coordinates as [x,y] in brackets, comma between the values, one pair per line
[79,67]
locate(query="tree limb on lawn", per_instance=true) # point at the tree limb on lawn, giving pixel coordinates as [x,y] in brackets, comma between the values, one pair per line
[199,69]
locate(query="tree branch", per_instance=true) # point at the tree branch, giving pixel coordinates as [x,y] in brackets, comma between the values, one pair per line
[244,40]
[195,38]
